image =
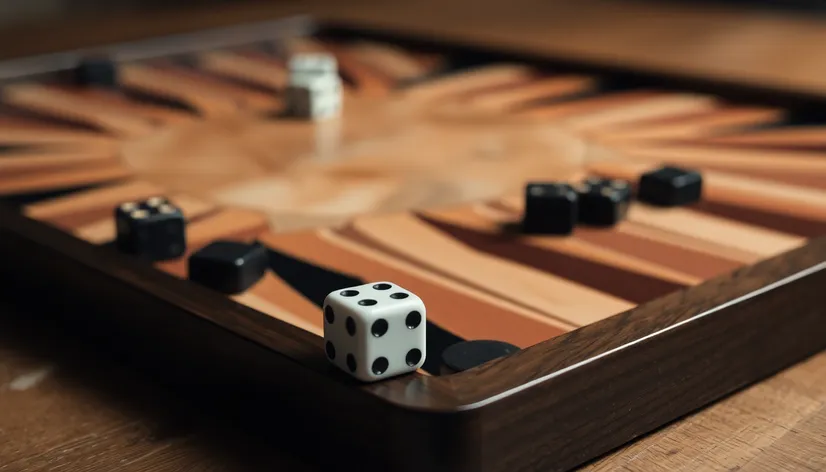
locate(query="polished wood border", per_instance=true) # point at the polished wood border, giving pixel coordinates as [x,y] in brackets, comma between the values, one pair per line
[551,407]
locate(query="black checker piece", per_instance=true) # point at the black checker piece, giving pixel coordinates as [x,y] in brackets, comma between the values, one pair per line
[469,354]
[670,187]
[228,266]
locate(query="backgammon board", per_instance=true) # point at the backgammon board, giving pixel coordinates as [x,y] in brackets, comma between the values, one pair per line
[421,181]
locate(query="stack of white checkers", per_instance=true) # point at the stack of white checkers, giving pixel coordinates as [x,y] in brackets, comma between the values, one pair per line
[314,90]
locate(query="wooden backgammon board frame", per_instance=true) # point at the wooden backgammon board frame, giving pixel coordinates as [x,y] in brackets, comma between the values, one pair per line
[552,406]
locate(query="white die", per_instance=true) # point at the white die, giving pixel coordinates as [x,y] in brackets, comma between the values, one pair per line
[312,64]
[375,331]
[314,97]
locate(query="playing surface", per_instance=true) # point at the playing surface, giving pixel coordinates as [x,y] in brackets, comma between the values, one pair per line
[420,181]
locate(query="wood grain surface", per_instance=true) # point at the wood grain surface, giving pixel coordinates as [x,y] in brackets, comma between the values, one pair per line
[67,407]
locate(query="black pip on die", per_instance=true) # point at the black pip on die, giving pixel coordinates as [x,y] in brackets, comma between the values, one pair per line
[153,229]
[603,202]
[375,331]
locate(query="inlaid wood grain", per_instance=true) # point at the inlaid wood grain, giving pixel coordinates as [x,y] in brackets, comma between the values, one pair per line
[369,81]
[240,223]
[664,106]
[15,184]
[254,68]
[601,271]
[14,130]
[331,217]
[700,264]
[745,237]
[609,107]
[38,162]
[361,169]
[482,77]
[706,234]
[551,88]
[256,302]
[125,104]
[207,157]
[806,205]
[448,302]
[208,85]
[394,62]
[61,103]
[273,297]
[703,125]
[795,178]
[494,222]
[790,224]
[574,303]
[686,241]
[681,253]
[202,158]
[793,137]
[85,205]
[168,85]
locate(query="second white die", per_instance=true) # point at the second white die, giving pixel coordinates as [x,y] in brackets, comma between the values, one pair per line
[314,97]
[312,64]
[375,331]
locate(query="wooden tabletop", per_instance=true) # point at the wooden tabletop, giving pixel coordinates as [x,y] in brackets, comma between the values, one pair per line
[63,404]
